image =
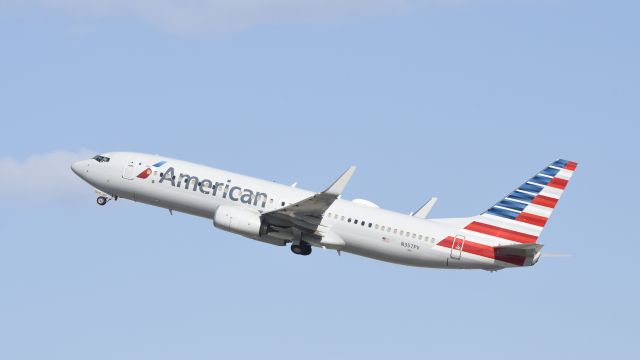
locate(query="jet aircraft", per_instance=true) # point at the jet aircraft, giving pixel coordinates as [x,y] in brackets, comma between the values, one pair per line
[504,236]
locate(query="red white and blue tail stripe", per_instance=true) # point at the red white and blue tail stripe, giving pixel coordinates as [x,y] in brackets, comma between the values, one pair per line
[529,207]
[508,232]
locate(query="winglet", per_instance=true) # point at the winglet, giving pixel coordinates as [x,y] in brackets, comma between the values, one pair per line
[426,208]
[338,186]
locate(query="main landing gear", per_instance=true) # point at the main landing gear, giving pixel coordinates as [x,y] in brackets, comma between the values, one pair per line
[303,248]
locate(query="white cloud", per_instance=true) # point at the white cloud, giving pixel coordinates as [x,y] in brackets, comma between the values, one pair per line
[46,177]
[218,15]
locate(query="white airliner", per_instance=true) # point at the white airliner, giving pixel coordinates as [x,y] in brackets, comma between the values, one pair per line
[504,236]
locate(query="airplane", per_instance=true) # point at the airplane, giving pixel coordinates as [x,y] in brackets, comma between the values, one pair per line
[504,236]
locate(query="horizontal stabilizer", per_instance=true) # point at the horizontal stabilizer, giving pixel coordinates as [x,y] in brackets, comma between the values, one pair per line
[525,250]
[522,254]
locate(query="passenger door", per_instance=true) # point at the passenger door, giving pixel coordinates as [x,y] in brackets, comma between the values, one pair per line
[130,168]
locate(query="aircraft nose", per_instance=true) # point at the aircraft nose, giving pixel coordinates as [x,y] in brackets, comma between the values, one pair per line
[76,167]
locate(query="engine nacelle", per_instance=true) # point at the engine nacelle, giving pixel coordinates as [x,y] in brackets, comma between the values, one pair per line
[237,220]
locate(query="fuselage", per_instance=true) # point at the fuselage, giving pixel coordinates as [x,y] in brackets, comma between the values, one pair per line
[201,190]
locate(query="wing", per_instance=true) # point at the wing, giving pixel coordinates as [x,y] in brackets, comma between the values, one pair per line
[307,214]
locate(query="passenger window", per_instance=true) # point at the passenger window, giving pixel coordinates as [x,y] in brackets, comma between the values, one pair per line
[413,236]
[342,218]
[419,237]
[382,228]
[376,226]
[349,220]
[363,222]
[395,231]
[282,203]
[355,222]
[401,232]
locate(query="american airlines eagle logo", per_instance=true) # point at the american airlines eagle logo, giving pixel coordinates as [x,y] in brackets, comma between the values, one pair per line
[145,173]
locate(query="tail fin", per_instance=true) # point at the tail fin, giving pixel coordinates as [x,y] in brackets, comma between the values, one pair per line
[524,212]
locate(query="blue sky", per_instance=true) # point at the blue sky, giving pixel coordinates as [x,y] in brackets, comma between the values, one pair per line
[463,100]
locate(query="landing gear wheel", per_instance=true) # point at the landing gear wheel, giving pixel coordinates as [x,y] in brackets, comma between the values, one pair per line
[101,200]
[303,249]
[296,249]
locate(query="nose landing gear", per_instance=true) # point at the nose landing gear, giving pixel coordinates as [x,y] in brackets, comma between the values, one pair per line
[103,198]
[303,248]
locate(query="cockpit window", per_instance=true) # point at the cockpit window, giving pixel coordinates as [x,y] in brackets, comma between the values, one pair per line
[100,158]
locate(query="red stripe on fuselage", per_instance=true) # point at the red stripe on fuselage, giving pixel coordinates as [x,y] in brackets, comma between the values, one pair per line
[545,201]
[484,251]
[532,219]
[558,183]
[501,232]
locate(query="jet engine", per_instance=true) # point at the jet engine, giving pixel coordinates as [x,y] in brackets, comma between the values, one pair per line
[239,221]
